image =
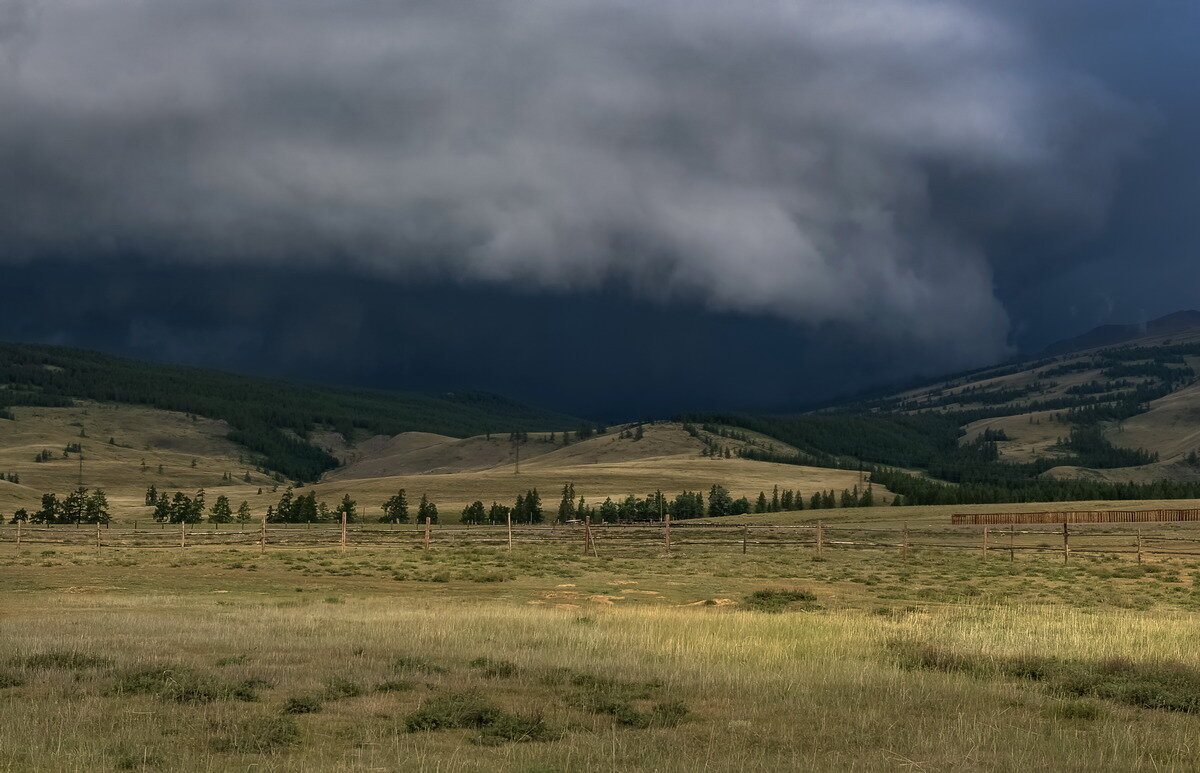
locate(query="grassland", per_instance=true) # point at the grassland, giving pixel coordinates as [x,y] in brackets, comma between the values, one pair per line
[474,658]
[193,453]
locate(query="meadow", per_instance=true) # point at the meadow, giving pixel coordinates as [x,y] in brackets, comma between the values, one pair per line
[474,657]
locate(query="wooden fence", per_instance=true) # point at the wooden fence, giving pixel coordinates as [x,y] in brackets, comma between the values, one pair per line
[1076,516]
[619,540]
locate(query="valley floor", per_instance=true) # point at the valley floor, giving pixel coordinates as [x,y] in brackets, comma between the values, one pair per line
[472,658]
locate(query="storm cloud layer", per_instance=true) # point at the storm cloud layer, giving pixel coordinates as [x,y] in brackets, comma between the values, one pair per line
[841,161]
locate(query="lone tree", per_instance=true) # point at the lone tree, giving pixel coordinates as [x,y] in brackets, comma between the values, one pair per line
[243,514]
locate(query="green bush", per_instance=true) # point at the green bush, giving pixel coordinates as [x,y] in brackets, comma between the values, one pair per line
[263,735]
[776,600]
[66,660]
[182,685]
[492,668]
[303,704]
[452,710]
[339,687]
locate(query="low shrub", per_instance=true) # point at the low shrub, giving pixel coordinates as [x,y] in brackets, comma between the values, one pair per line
[452,710]
[777,600]
[1165,685]
[394,685]
[303,704]
[182,685]
[263,735]
[516,728]
[66,660]
[493,669]
[420,665]
[339,687]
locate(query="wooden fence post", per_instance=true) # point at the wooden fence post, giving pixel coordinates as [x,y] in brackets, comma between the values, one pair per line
[97,535]
[343,545]
[18,533]
[183,534]
[508,516]
[906,542]
[1139,545]
[985,545]
[262,536]
[587,535]
[1012,539]
[820,536]
[428,520]
[1066,544]
[667,532]
[745,538]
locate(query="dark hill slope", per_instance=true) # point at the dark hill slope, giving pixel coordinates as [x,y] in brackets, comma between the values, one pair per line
[1111,335]
[260,411]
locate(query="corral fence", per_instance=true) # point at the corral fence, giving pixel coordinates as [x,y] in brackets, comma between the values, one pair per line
[1077,516]
[620,540]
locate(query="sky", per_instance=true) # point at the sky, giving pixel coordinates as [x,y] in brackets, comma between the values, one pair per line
[614,208]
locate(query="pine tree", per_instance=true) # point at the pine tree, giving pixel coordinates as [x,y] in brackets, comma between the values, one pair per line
[347,508]
[719,501]
[74,506]
[498,513]
[566,508]
[395,510]
[760,506]
[533,506]
[51,510]
[427,509]
[243,513]
[775,500]
[221,512]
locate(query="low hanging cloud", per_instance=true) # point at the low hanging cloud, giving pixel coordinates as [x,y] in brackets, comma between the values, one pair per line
[827,161]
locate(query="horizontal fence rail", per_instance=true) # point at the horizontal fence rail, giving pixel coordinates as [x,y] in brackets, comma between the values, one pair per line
[1076,516]
[646,539]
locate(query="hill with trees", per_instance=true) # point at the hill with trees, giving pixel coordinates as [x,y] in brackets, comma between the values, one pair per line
[273,419]
[1120,421]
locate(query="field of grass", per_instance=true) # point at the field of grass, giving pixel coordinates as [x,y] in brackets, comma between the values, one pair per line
[473,657]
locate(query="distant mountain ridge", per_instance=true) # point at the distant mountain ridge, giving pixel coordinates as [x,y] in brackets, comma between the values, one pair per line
[1111,335]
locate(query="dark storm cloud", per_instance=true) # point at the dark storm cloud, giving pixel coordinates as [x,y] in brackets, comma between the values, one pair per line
[818,160]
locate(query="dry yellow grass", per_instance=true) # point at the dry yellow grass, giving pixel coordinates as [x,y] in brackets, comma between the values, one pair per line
[797,691]
[470,469]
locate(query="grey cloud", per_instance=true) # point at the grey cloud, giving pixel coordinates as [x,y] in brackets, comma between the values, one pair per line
[763,156]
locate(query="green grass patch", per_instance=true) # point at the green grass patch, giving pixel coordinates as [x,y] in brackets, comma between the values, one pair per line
[779,600]
[1163,685]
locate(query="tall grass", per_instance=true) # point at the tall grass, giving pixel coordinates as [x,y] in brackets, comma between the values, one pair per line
[733,690]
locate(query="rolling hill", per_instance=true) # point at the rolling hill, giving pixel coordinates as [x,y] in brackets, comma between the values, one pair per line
[273,420]
[1096,417]
[70,418]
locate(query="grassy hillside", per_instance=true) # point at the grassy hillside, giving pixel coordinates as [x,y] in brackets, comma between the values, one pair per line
[273,419]
[1115,422]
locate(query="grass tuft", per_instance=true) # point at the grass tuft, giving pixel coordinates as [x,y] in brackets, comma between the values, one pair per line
[1164,685]
[452,710]
[494,669]
[181,684]
[65,660]
[261,735]
[303,704]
